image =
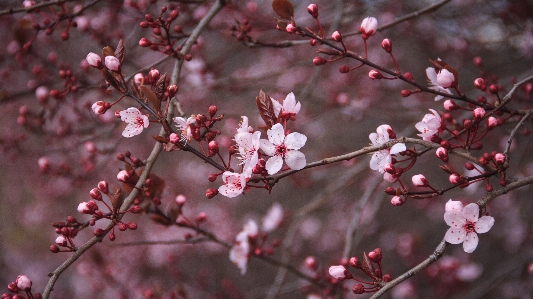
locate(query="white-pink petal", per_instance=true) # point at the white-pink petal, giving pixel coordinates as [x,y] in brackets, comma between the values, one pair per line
[295,140]
[295,159]
[267,147]
[470,242]
[471,212]
[484,224]
[454,219]
[454,205]
[276,134]
[397,148]
[274,164]
[455,236]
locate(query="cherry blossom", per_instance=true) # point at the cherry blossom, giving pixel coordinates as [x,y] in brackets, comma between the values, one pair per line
[430,125]
[94,60]
[369,26]
[273,218]
[136,121]
[445,78]
[112,63]
[23,282]
[465,225]
[432,77]
[234,184]
[243,126]
[281,147]
[239,253]
[381,158]
[289,108]
[337,272]
[248,145]
[185,126]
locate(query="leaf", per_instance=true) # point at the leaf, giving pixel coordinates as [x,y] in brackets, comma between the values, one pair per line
[160,86]
[161,139]
[118,199]
[161,219]
[266,109]
[120,51]
[283,8]
[107,51]
[367,265]
[109,77]
[152,98]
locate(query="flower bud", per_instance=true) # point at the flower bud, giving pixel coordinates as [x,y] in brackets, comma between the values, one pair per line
[102,186]
[479,83]
[153,75]
[212,110]
[478,114]
[467,123]
[499,158]
[492,122]
[94,60]
[455,179]
[493,88]
[319,61]
[369,27]
[23,283]
[420,180]
[343,69]
[132,225]
[123,176]
[405,93]
[311,263]
[386,44]
[445,79]
[213,148]
[476,146]
[211,192]
[374,74]
[181,199]
[87,207]
[172,89]
[336,36]
[390,191]
[358,289]
[144,42]
[469,166]
[138,78]
[95,194]
[61,241]
[375,255]
[41,93]
[337,272]
[355,263]
[312,9]
[450,105]
[397,201]
[112,63]
[44,164]
[53,249]
[100,107]
[290,28]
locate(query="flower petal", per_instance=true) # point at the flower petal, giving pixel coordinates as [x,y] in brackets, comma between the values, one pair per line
[276,134]
[295,140]
[454,205]
[471,212]
[273,165]
[295,160]
[484,224]
[454,219]
[455,236]
[470,243]
[397,148]
[132,130]
[267,147]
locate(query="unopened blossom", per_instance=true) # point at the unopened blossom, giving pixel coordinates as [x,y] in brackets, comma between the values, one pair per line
[478,113]
[185,126]
[337,272]
[94,60]
[28,3]
[445,78]
[397,201]
[369,26]
[283,148]
[381,158]
[138,78]
[112,63]
[136,121]
[100,107]
[41,93]
[432,77]
[430,125]
[420,180]
[465,224]
[23,282]
[240,252]
[88,207]
[273,218]
[248,144]
[289,108]
[234,184]
[123,176]
[61,241]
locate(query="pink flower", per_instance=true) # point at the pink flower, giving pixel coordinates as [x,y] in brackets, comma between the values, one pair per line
[185,125]
[465,225]
[283,148]
[289,108]
[94,60]
[248,145]
[432,77]
[381,136]
[240,252]
[273,218]
[28,3]
[112,63]
[445,79]
[337,272]
[380,158]
[369,27]
[243,126]
[23,282]
[136,121]
[234,184]
[430,125]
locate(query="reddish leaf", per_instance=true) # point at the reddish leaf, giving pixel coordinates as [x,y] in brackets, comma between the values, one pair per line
[266,109]
[160,86]
[120,51]
[118,199]
[283,8]
[161,139]
[107,51]
[109,77]
[152,98]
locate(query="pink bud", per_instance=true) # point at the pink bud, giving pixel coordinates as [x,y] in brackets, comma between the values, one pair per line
[405,93]
[478,114]
[397,201]
[419,180]
[442,153]
[344,69]
[311,263]
[212,110]
[181,199]
[445,78]
[479,83]
[499,158]
[455,179]
[336,36]
[100,107]
[386,44]
[213,148]
[354,262]
[138,78]
[389,177]
[337,272]
[492,122]
[369,27]
[95,194]
[174,138]
[112,63]
[94,60]
[144,42]
[358,289]
[102,186]
[211,192]
[23,282]
[153,75]
[44,164]
[478,61]
[87,207]
[319,61]
[61,241]
[123,176]
[41,93]
[290,28]
[312,9]
[374,74]
[450,105]
[172,89]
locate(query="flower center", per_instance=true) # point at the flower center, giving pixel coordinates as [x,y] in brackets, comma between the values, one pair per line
[139,121]
[469,226]
[281,150]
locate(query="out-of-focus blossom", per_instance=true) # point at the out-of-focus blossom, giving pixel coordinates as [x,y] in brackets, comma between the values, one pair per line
[465,225]
[430,125]
[273,218]
[136,121]
[240,252]
[283,148]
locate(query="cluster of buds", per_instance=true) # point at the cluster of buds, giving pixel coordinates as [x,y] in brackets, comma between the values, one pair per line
[371,267]
[67,231]
[21,285]
[242,30]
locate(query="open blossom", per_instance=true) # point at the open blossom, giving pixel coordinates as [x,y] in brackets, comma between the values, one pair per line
[465,224]
[240,252]
[136,121]
[381,158]
[185,126]
[289,108]
[273,218]
[433,81]
[430,125]
[281,147]
[248,145]
[243,126]
[234,184]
